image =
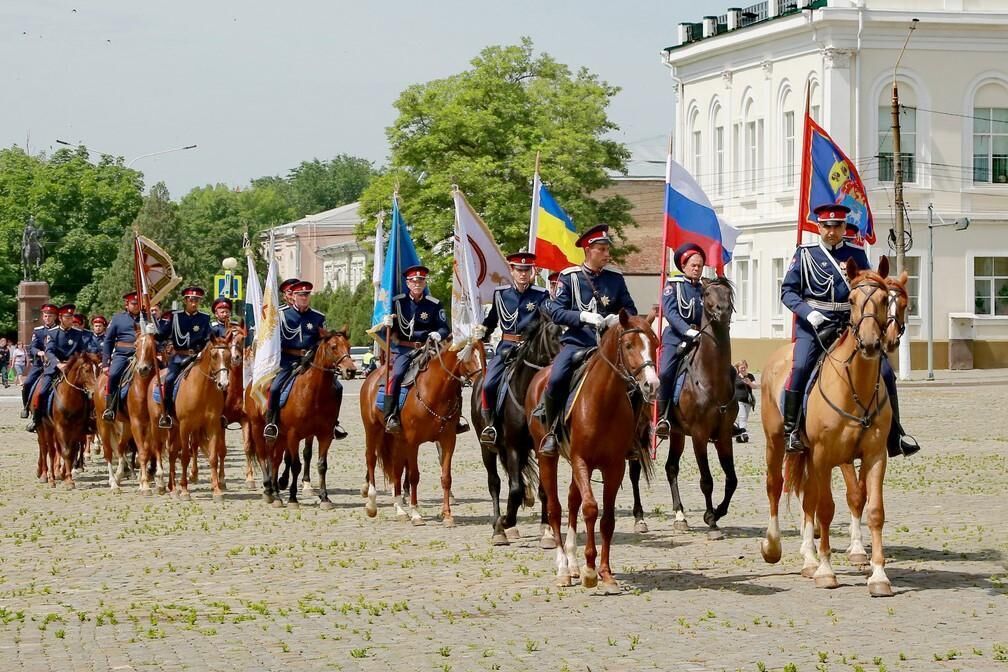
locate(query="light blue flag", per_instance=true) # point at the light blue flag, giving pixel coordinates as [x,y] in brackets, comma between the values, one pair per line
[399,255]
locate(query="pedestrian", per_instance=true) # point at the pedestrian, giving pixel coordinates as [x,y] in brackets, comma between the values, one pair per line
[20,361]
[747,400]
[5,361]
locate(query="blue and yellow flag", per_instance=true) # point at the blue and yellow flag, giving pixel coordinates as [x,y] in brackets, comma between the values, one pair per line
[399,255]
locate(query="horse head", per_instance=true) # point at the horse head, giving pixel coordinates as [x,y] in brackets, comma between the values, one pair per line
[542,339]
[236,345]
[216,358]
[146,353]
[470,358]
[635,345]
[899,300]
[869,299]
[82,372]
[333,353]
[718,300]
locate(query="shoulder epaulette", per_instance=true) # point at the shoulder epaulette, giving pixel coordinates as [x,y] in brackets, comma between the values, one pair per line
[500,287]
[433,299]
[614,269]
[677,278]
[317,312]
[537,288]
[284,306]
[42,326]
[570,269]
[399,296]
[809,245]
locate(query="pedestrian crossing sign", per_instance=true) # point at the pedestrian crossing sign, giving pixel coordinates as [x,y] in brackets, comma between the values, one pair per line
[237,289]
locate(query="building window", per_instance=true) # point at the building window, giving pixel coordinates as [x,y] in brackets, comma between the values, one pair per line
[814,113]
[912,267]
[777,267]
[743,284]
[329,273]
[788,136]
[356,272]
[990,144]
[696,155]
[908,143]
[719,160]
[990,283]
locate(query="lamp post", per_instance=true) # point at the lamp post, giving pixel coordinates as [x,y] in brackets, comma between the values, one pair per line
[960,224]
[229,264]
[136,158]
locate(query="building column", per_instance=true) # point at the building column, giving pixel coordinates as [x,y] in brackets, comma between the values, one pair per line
[836,109]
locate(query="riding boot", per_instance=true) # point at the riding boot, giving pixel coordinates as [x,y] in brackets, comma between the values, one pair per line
[166,419]
[552,411]
[110,407]
[35,420]
[24,412]
[663,427]
[391,410]
[792,430]
[272,430]
[899,442]
[488,437]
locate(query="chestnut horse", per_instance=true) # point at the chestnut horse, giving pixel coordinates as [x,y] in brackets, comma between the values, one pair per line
[312,410]
[131,421]
[847,417]
[199,407]
[64,430]
[602,434]
[707,408]
[429,413]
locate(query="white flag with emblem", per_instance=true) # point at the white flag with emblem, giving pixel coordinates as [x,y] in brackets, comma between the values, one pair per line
[267,339]
[253,308]
[479,268]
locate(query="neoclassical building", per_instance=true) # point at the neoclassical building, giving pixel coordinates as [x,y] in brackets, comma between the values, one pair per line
[741,81]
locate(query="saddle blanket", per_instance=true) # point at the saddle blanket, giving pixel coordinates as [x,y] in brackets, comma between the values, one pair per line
[808,389]
[157,390]
[380,398]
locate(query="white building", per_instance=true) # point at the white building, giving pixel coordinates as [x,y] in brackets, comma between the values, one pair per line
[741,79]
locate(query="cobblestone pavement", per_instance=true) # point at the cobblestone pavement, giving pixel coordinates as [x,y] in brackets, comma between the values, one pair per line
[95,581]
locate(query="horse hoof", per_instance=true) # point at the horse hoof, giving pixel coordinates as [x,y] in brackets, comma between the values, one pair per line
[563,580]
[499,539]
[161,490]
[43,479]
[448,522]
[282,484]
[371,510]
[589,577]
[402,517]
[418,521]
[609,588]
[809,572]
[223,485]
[295,505]
[680,526]
[52,484]
[144,492]
[70,485]
[771,552]
[250,485]
[880,589]
[268,498]
[547,543]
[829,581]
[218,498]
[859,560]
[715,535]
[364,490]
[326,505]
[306,487]
[185,496]
[640,527]
[277,503]
[512,533]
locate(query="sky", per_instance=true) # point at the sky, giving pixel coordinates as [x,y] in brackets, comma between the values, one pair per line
[261,86]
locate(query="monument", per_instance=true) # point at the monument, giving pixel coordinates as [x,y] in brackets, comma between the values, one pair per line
[32,293]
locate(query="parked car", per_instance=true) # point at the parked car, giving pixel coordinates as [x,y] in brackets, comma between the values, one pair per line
[363,358]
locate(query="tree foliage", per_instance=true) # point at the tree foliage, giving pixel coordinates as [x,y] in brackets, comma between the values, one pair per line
[350,307]
[481,129]
[315,186]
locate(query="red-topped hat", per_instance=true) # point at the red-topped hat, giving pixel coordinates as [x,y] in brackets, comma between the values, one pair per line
[79,318]
[522,259]
[130,296]
[597,234]
[684,252]
[832,212]
[221,301]
[416,272]
[193,292]
[287,284]
[302,287]
[554,276]
[51,308]
[67,309]
[99,318]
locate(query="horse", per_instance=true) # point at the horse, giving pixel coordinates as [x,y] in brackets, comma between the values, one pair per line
[131,422]
[707,408]
[199,407]
[311,411]
[64,430]
[538,348]
[848,417]
[429,413]
[619,384]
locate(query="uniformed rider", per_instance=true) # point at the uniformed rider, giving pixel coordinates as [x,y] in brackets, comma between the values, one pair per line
[36,353]
[416,317]
[222,317]
[90,340]
[188,332]
[118,346]
[98,326]
[588,299]
[62,343]
[682,308]
[515,308]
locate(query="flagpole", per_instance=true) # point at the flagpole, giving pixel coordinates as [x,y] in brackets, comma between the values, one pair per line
[661,289]
[393,241]
[803,190]
[534,215]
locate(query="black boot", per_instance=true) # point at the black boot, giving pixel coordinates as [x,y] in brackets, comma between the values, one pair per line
[271,431]
[35,420]
[110,407]
[663,428]
[792,431]
[898,441]
[392,425]
[488,437]
[167,416]
[551,414]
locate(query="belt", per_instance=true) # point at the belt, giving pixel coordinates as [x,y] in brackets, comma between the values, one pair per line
[513,338]
[125,344]
[184,353]
[296,352]
[828,306]
[409,344]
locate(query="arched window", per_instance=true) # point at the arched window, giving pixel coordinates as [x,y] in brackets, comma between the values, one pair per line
[908,134]
[990,134]
[787,138]
[752,148]
[695,146]
[814,107]
[717,150]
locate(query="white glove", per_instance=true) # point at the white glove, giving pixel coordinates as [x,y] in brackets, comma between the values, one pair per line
[151,329]
[692,333]
[815,318]
[479,331]
[388,320]
[588,317]
[610,320]
[435,336]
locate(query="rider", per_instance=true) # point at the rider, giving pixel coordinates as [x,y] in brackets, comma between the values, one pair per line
[416,317]
[80,324]
[553,279]
[682,306]
[515,308]
[588,299]
[117,349]
[36,353]
[299,335]
[222,317]
[188,331]
[62,342]
[98,326]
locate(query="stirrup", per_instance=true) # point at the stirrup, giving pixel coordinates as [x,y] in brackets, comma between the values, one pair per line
[24,413]
[909,445]
[392,425]
[548,447]
[165,421]
[338,432]
[488,437]
[663,428]
[271,431]
[461,426]
[793,443]
[109,414]
[30,427]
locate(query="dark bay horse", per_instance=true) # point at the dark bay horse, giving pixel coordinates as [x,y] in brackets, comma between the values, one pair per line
[312,410]
[707,408]
[514,444]
[429,413]
[60,434]
[131,422]
[847,417]
[619,385]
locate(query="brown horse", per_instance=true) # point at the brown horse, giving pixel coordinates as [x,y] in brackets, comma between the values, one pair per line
[848,417]
[234,404]
[60,434]
[131,422]
[199,407]
[429,413]
[603,431]
[707,408]
[312,410]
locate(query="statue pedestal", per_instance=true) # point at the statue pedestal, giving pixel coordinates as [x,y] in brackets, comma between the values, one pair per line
[31,296]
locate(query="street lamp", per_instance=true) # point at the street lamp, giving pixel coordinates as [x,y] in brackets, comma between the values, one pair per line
[960,224]
[229,264]
[134,159]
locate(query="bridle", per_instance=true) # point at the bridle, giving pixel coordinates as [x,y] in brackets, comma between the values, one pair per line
[335,368]
[894,295]
[461,380]
[88,394]
[620,367]
[868,287]
[215,372]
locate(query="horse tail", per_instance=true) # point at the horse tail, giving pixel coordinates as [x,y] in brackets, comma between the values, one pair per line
[795,473]
[530,471]
[646,462]
[384,455]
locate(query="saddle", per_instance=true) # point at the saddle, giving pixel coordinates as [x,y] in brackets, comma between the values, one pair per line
[419,360]
[186,368]
[813,377]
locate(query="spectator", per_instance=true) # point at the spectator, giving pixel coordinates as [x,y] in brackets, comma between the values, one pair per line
[20,359]
[747,401]
[4,361]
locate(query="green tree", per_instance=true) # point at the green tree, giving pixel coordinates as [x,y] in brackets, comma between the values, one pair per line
[349,307]
[314,186]
[481,129]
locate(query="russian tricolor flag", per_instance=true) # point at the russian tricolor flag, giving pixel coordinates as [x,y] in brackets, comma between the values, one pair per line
[690,218]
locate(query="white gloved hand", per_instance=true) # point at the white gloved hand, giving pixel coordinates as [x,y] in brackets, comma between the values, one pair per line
[388,320]
[479,332]
[151,329]
[435,336]
[815,318]
[692,333]
[610,320]
[588,317]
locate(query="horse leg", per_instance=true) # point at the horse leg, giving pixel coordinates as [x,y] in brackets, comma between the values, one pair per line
[295,469]
[161,450]
[374,441]
[282,481]
[440,456]
[548,487]
[214,442]
[640,525]
[824,576]
[547,541]
[414,481]
[499,537]
[706,486]
[186,454]
[612,478]
[264,456]
[516,493]
[677,443]
[856,554]
[809,501]
[306,454]
[589,509]
[249,448]
[66,449]
[726,457]
[323,468]
[878,582]
[278,453]
[221,450]
[447,451]
[770,546]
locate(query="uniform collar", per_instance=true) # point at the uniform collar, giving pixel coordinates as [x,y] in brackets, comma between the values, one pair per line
[832,248]
[590,271]
[521,291]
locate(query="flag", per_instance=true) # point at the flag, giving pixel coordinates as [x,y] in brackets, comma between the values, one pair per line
[379,252]
[267,340]
[479,268]
[154,274]
[829,177]
[400,255]
[690,218]
[253,306]
[552,236]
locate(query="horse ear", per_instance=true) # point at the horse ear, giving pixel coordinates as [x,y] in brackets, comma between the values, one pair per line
[624,318]
[883,266]
[704,281]
[652,314]
[852,269]
[903,278]
[323,333]
[346,330]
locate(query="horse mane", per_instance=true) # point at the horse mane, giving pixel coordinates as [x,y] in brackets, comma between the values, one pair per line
[722,281]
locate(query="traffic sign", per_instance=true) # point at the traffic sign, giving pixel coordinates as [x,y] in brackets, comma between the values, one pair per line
[237,288]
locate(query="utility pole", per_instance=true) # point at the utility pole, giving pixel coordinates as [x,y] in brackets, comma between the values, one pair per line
[898,163]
